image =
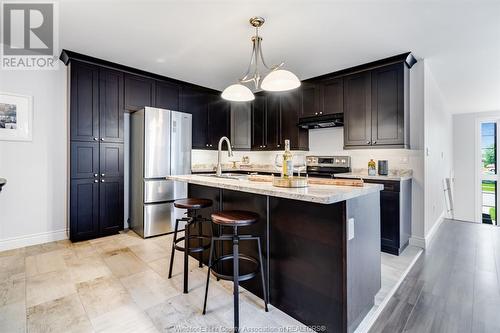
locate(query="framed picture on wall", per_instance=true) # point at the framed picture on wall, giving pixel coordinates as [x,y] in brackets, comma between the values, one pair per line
[16,117]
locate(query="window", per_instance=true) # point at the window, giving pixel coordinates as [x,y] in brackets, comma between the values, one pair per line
[488,172]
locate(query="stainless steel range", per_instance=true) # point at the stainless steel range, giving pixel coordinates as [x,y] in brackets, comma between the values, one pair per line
[327,166]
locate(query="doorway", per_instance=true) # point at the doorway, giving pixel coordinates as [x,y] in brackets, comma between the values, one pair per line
[487,171]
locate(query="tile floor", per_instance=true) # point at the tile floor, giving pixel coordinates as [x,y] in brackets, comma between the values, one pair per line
[119,284]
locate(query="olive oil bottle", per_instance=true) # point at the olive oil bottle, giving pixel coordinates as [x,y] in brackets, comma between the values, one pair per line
[287,161]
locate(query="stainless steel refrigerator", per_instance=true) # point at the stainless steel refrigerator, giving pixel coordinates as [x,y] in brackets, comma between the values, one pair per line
[160,145]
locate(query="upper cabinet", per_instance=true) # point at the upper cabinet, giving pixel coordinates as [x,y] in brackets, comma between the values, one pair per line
[259,122]
[241,125]
[139,92]
[376,109]
[219,114]
[111,105]
[167,95]
[331,96]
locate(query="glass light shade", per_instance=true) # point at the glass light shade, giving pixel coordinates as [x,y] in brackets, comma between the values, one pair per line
[280,80]
[238,93]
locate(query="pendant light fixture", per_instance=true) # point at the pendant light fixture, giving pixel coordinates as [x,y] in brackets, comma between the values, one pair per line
[277,79]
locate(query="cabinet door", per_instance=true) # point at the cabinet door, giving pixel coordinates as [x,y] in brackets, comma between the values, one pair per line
[139,92]
[111,160]
[388,105]
[357,110]
[310,99]
[241,125]
[332,96]
[84,160]
[290,112]
[110,205]
[389,219]
[259,122]
[111,106]
[167,95]
[273,123]
[84,208]
[84,102]
[195,101]
[218,120]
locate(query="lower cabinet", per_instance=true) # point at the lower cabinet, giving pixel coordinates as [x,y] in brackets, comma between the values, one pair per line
[96,195]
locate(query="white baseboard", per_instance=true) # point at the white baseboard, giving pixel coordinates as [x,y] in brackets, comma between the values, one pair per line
[425,242]
[33,239]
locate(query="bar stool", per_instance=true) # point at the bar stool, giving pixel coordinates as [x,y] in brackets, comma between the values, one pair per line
[192,219]
[235,219]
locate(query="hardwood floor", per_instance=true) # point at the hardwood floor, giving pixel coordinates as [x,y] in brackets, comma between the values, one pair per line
[453,287]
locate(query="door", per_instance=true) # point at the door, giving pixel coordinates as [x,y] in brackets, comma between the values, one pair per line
[332,96]
[389,219]
[84,209]
[84,160]
[156,143]
[259,123]
[487,174]
[195,102]
[273,123]
[388,105]
[241,125]
[110,205]
[310,99]
[110,106]
[218,120]
[84,102]
[111,161]
[357,110]
[290,112]
[167,95]
[139,92]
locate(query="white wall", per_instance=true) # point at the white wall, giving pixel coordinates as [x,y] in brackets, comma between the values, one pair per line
[438,152]
[465,143]
[33,203]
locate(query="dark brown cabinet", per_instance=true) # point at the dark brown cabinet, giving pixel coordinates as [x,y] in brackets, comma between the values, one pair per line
[376,108]
[84,160]
[111,160]
[219,114]
[110,205]
[388,106]
[290,113]
[357,110]
[84,209]
[259,123]
[84,102]
[110,106]
[139,92]
[273,122]
[331,96]
[167,95]
[310,99]
[241,125]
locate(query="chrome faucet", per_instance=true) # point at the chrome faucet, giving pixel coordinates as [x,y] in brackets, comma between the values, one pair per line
[218,171]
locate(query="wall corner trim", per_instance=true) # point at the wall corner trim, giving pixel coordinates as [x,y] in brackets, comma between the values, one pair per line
[33,239]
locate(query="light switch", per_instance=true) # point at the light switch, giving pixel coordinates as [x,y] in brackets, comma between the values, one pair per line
[350,229]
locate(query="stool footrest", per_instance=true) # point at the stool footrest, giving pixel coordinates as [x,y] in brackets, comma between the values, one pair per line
[229,277]
[193,249]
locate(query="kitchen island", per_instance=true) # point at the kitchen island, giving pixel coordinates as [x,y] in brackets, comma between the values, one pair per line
[322,245]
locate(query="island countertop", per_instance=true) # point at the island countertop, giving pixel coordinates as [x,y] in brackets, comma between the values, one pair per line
[323,194]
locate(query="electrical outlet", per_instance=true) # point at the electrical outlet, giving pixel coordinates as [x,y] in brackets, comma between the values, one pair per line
[350,229]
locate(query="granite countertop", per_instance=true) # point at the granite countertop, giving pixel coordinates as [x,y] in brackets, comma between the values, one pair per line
[395,175]
[323,194]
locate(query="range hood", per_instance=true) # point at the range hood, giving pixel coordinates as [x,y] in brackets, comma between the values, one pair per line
[328,120]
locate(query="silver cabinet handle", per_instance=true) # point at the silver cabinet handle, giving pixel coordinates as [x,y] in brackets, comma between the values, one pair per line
[367,142]
[102,139]
[206,145]
[95,175]
[278,146]
[96,181]
[96,139]
[102,174]
[102,180]
[374,142]
[315,113]
[321,113]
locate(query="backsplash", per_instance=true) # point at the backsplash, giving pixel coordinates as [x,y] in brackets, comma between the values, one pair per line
[328,141]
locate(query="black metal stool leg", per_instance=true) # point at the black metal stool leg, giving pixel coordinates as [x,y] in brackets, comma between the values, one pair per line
[173,249]
[262,275]
[208,274]
[200,241]
[186,256]
[236,281]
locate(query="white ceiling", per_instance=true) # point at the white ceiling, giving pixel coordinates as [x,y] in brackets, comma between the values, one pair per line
[208,42]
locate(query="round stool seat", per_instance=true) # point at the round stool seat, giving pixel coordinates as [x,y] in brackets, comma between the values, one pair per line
[235,218]
[192,203]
